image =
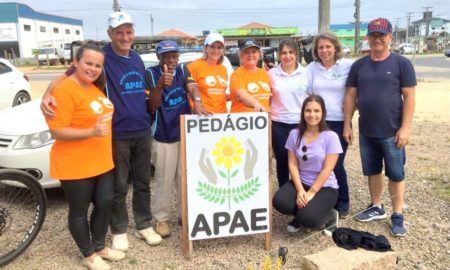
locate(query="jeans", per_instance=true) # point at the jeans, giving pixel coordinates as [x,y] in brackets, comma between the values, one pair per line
[89,236]
[316,213]
[374,150]
[280,133]
[132,160]
[343,202]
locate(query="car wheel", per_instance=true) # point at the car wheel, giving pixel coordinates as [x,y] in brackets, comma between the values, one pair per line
[21,98]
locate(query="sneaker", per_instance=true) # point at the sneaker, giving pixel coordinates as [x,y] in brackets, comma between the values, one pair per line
[293,226]
[120,242]
[149,235]
[163,228]
[97,264]
[371,213]
[397,228]
[332,225]
[112,255]
[343,214]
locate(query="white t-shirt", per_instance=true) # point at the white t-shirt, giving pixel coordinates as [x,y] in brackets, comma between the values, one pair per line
[330,85]
[288,93]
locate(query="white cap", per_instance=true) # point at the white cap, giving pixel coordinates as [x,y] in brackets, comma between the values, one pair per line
[213,37]
[119,18]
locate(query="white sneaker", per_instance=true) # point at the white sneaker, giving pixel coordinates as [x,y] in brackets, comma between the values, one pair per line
[120,242]
[149,235]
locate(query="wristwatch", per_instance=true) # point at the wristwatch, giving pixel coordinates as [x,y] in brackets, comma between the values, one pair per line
[197,99]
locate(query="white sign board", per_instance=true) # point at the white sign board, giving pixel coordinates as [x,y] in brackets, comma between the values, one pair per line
[8,32]
[227,161]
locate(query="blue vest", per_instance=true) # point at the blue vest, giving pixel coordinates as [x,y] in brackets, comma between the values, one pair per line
[166,126]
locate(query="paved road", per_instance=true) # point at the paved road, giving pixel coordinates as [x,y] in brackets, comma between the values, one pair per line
[431,66]
[45,76]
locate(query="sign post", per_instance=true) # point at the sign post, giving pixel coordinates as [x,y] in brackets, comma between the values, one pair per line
[226,184]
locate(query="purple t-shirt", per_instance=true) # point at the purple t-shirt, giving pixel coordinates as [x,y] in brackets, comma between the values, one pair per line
[327,143]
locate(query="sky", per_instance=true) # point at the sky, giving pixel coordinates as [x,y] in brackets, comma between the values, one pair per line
[195,16]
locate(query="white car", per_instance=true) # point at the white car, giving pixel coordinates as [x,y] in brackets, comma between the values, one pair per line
[151,60]
[26,146]
[346,49]
[406,48]
[14,86]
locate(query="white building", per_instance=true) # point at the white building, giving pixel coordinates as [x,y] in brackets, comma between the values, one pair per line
[23,30]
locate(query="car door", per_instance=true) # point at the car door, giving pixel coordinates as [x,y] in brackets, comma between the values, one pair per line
[7,85]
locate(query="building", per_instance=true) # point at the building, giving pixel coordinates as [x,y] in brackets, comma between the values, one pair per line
[346,33]
[23,30]
[265,35]
[430,32]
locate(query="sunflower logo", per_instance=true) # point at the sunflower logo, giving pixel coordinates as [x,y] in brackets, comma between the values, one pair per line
[228,151]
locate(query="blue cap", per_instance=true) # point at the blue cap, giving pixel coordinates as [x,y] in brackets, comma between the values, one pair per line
[249,43]
[167,46]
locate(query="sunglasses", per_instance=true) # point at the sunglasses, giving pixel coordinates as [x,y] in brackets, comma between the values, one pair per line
[304,157]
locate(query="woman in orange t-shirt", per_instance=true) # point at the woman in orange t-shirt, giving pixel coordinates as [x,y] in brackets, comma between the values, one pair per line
[81,156]
[250,85]
[211,75]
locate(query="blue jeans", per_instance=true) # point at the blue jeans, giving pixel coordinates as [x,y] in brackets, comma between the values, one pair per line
[132,160]
[280,133]
[343,202]
[376,150]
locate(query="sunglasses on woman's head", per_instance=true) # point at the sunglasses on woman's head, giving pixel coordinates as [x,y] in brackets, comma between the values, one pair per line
[304,157]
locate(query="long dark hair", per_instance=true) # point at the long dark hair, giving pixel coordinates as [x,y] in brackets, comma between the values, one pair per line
[101,80]
[302,125]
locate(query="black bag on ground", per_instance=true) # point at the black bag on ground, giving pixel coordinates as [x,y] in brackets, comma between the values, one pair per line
[352,239]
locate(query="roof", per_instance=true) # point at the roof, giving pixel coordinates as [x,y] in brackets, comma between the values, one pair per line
[175,33]
[255,25]
[11,12]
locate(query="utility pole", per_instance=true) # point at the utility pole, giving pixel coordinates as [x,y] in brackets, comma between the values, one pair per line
[324,16]
[427,17]
[408,22]
[396,29]
[357,24]
[151,24]
[116,6]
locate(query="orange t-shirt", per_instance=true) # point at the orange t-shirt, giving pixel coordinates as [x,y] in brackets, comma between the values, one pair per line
[256,84]
[79,107]
[212,83]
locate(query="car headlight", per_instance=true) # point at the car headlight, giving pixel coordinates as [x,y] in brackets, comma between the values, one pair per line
[34,140]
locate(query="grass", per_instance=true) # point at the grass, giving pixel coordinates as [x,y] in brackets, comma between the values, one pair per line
[442,191]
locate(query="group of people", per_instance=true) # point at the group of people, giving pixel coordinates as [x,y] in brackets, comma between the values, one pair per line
[107,129]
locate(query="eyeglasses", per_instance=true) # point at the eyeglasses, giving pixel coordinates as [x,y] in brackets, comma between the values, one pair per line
[304,157]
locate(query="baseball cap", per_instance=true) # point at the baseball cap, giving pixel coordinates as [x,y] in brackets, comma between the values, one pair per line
[380,25]
[119,18]
[213,37]
[167,46]
[249,43]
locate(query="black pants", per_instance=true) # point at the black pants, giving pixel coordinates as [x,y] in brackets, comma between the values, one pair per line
[132,159]
[89,236]
[316,213]
[280,133]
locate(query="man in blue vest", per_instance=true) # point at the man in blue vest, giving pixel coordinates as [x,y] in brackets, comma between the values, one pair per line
[170,85]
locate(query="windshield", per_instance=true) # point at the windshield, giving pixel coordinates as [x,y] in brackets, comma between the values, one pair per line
[67,46]
[46,51]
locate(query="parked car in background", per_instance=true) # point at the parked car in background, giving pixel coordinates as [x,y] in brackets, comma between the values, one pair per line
[25,142]
[50,56]
[364,47]
[346,49]
[14,86]
[447,52]
[406,48]
[151,60]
